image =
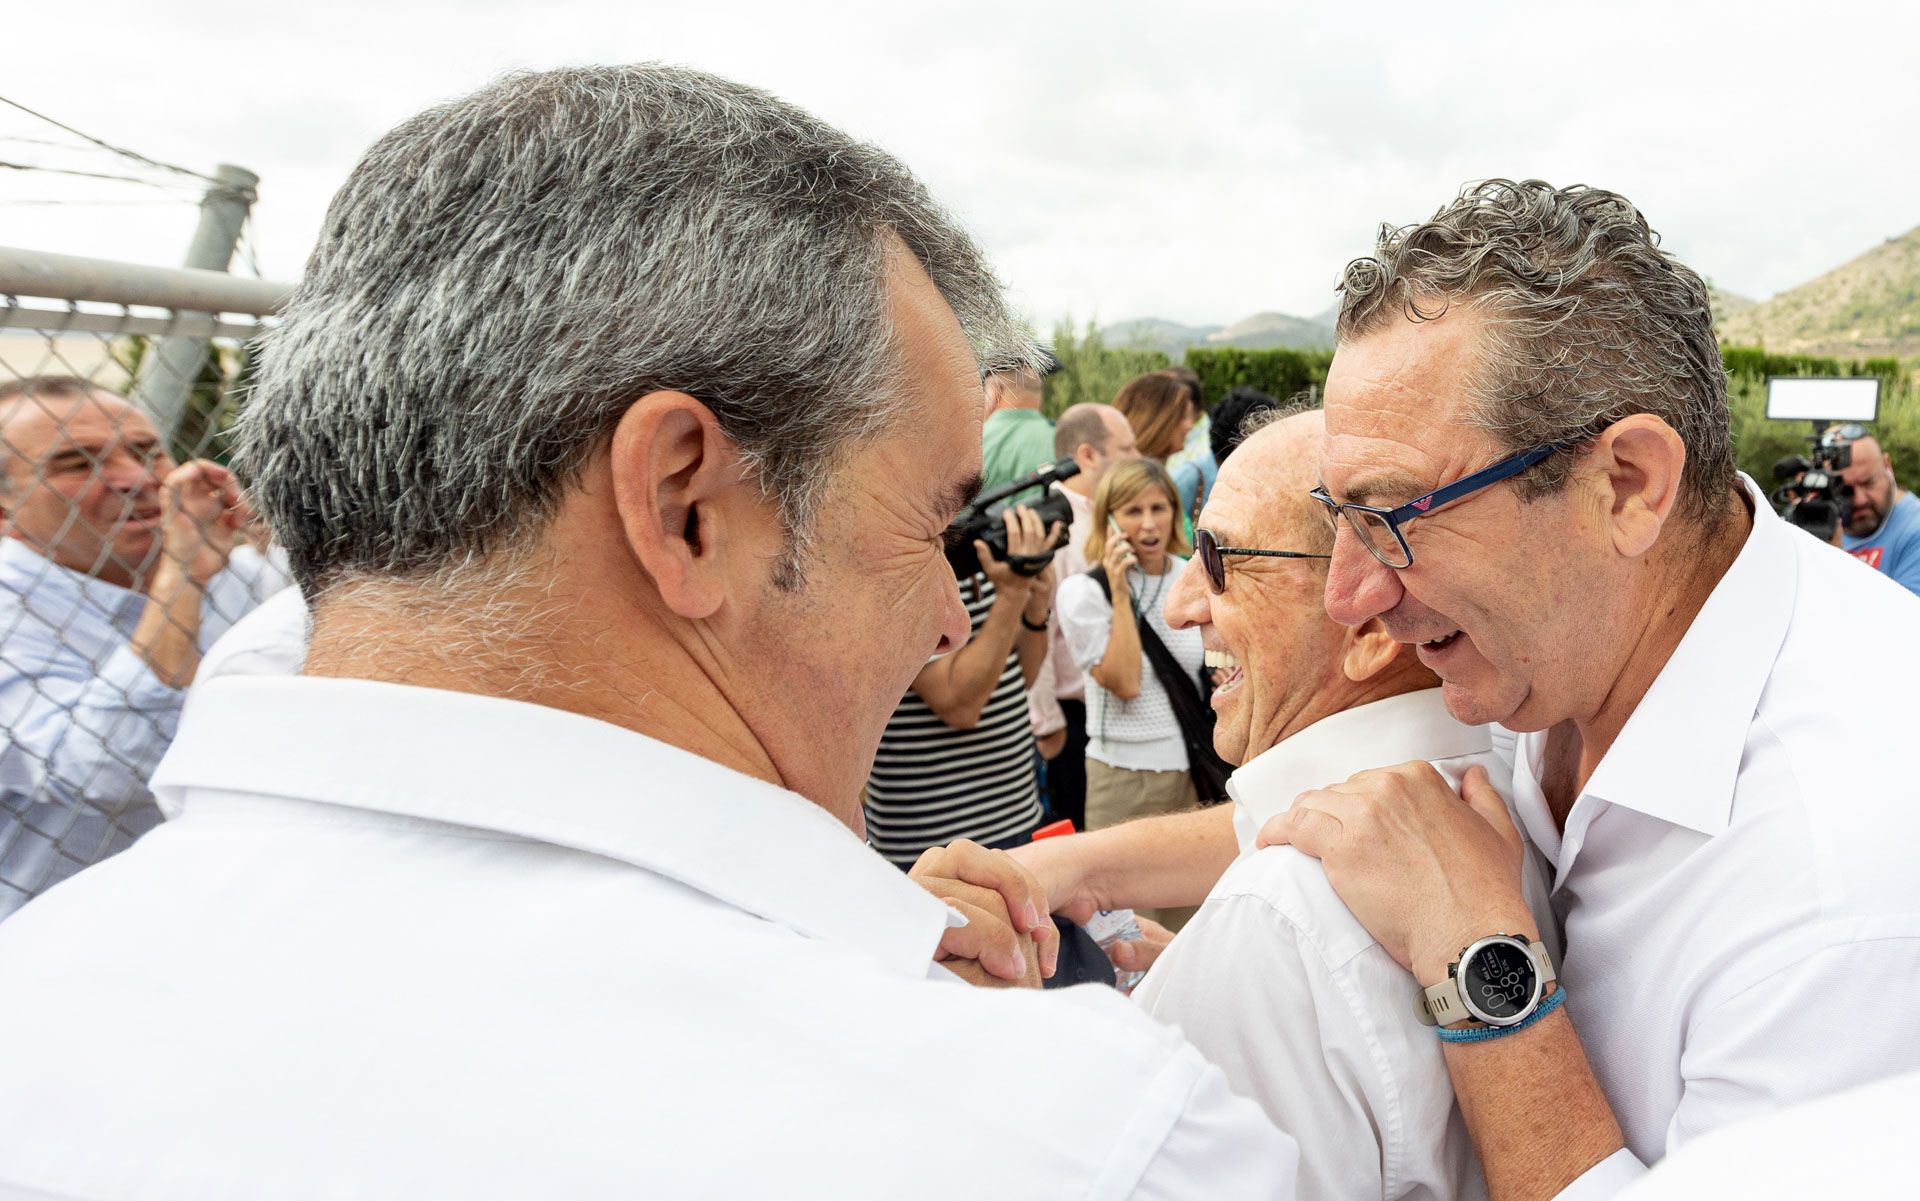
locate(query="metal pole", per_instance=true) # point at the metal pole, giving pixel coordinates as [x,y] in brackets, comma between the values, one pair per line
[172,364]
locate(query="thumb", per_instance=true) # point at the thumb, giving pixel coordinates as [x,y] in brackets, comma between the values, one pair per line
[1477,790]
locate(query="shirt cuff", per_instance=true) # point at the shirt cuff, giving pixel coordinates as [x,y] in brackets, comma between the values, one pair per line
[1604,1179]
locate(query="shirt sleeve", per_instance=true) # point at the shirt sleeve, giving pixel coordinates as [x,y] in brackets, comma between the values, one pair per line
[78,732]
[1318,1028]
[1835,1019]
[1218,1146]
[1903,558]
[1086,620]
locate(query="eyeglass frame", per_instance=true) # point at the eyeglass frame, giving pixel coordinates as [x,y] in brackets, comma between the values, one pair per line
[1203,537]
[1439,498]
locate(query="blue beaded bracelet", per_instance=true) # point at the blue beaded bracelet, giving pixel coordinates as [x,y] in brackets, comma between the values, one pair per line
[1480,1034]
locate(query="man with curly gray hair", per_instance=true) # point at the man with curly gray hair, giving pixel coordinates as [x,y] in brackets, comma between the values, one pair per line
[1528,467]
[613,434]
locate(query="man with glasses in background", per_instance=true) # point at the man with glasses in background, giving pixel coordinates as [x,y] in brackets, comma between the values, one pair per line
[1529,468]
[1883,525]
[1274,979]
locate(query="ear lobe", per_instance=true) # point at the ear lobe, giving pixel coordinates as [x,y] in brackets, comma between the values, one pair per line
[672,471]
[1369,650]
[1642,461]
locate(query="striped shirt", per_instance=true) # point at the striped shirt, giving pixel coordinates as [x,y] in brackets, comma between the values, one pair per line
[932,783]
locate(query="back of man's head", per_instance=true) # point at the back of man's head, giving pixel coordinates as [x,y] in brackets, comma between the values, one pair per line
[503,275]
[1014,388]
[1231,417]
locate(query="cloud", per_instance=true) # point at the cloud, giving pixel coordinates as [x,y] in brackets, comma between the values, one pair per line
[1116,158]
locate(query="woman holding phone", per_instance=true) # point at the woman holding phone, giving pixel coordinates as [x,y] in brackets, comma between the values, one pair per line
[1136,757]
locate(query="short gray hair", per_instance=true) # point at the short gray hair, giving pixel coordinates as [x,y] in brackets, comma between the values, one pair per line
[503,275]
[1589,321]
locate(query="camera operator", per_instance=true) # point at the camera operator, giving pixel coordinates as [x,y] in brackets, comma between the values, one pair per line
[1883,526]
[956,760]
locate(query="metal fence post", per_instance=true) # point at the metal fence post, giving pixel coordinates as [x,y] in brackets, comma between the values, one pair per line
[172,364]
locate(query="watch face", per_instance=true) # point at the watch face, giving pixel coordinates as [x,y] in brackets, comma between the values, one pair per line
[1499,980]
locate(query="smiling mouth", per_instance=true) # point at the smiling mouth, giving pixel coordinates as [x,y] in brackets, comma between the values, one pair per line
[1234,674]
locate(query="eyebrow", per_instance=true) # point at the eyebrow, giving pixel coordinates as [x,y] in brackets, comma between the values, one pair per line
[957,495]
[1387,484]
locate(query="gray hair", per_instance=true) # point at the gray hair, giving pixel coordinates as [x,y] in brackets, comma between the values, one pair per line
[503,275]
[1588,321]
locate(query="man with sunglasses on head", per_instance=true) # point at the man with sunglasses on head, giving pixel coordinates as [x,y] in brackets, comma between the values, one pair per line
[1274,979]
[1529,467]
[1883,524]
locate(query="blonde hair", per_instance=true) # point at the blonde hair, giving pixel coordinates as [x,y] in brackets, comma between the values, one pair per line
[1122,482]
[1156,405]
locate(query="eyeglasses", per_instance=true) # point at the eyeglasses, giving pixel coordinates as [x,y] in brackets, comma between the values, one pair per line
[1213,557]
[1383,531]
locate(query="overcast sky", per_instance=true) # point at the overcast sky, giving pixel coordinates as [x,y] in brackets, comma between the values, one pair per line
[1120,159]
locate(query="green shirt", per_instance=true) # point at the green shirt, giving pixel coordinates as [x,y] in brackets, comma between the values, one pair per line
[1016,442]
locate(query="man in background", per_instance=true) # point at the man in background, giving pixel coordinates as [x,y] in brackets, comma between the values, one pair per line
[1883,527]
[117,570]
[1017,439]
[1094,436]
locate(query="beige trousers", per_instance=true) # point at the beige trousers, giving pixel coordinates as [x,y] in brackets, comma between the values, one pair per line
[1119,794]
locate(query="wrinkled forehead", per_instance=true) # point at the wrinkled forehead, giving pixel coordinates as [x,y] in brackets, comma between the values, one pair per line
[1260,497]
[1395,409]
[33,426]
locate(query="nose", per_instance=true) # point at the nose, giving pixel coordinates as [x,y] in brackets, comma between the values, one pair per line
[1359,586]
[955,627]
[1190,601]
[126,470]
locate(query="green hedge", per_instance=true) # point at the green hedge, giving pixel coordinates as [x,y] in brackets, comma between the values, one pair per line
[1090,370]
[1278,372]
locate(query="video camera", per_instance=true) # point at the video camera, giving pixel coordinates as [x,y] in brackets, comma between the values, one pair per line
[983,520]
[1811,494]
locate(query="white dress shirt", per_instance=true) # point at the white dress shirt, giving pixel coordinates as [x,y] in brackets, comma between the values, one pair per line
[1276,980]
[1856,1146]
[270,641]
[84,719]
[404,943]
[1736,883]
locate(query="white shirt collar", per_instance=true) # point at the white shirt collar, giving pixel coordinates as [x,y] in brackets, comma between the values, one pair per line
[1413,725]
[554,777]
[1678,758]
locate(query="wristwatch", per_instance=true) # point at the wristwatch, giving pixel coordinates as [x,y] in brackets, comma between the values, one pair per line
[1498,980]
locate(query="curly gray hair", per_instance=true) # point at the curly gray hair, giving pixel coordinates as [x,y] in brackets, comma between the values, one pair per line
[1588,321]
[503,275]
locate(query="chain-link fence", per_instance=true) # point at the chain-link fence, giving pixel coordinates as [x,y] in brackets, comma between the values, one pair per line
[127,549]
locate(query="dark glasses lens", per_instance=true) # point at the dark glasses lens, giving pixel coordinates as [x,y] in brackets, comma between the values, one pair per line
[1208,549]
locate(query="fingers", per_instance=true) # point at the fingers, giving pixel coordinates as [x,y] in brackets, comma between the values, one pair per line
[1307,829]
[1477,789]
[970,863]
[985,939]
[1137,955]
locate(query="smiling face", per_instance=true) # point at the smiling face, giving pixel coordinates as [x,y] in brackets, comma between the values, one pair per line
[1268,630]
[83,482]
[1507,602]
[832,658]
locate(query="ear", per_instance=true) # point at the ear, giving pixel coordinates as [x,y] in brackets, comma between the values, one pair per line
[1083,454]
[1638,461]
[1368,650]
[677,482]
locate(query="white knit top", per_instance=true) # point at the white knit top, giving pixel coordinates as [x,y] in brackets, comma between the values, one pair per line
[1140,734]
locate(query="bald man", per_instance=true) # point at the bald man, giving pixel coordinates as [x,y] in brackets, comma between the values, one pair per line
[1883,528]
[1274,979]
[116,570]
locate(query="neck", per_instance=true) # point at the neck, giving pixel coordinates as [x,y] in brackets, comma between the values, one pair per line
[1676,586]
[1081,485]
[540,644]
[1340,694]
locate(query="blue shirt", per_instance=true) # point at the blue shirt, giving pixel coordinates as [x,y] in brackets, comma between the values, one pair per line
[1894,548]
[84,718]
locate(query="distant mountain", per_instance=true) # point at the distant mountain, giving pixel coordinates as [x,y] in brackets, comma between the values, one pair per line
[1869,306]
[1154,333]
[1264,330]
[1726,304]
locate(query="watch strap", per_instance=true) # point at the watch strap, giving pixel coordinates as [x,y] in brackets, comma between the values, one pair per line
[1440,1005]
